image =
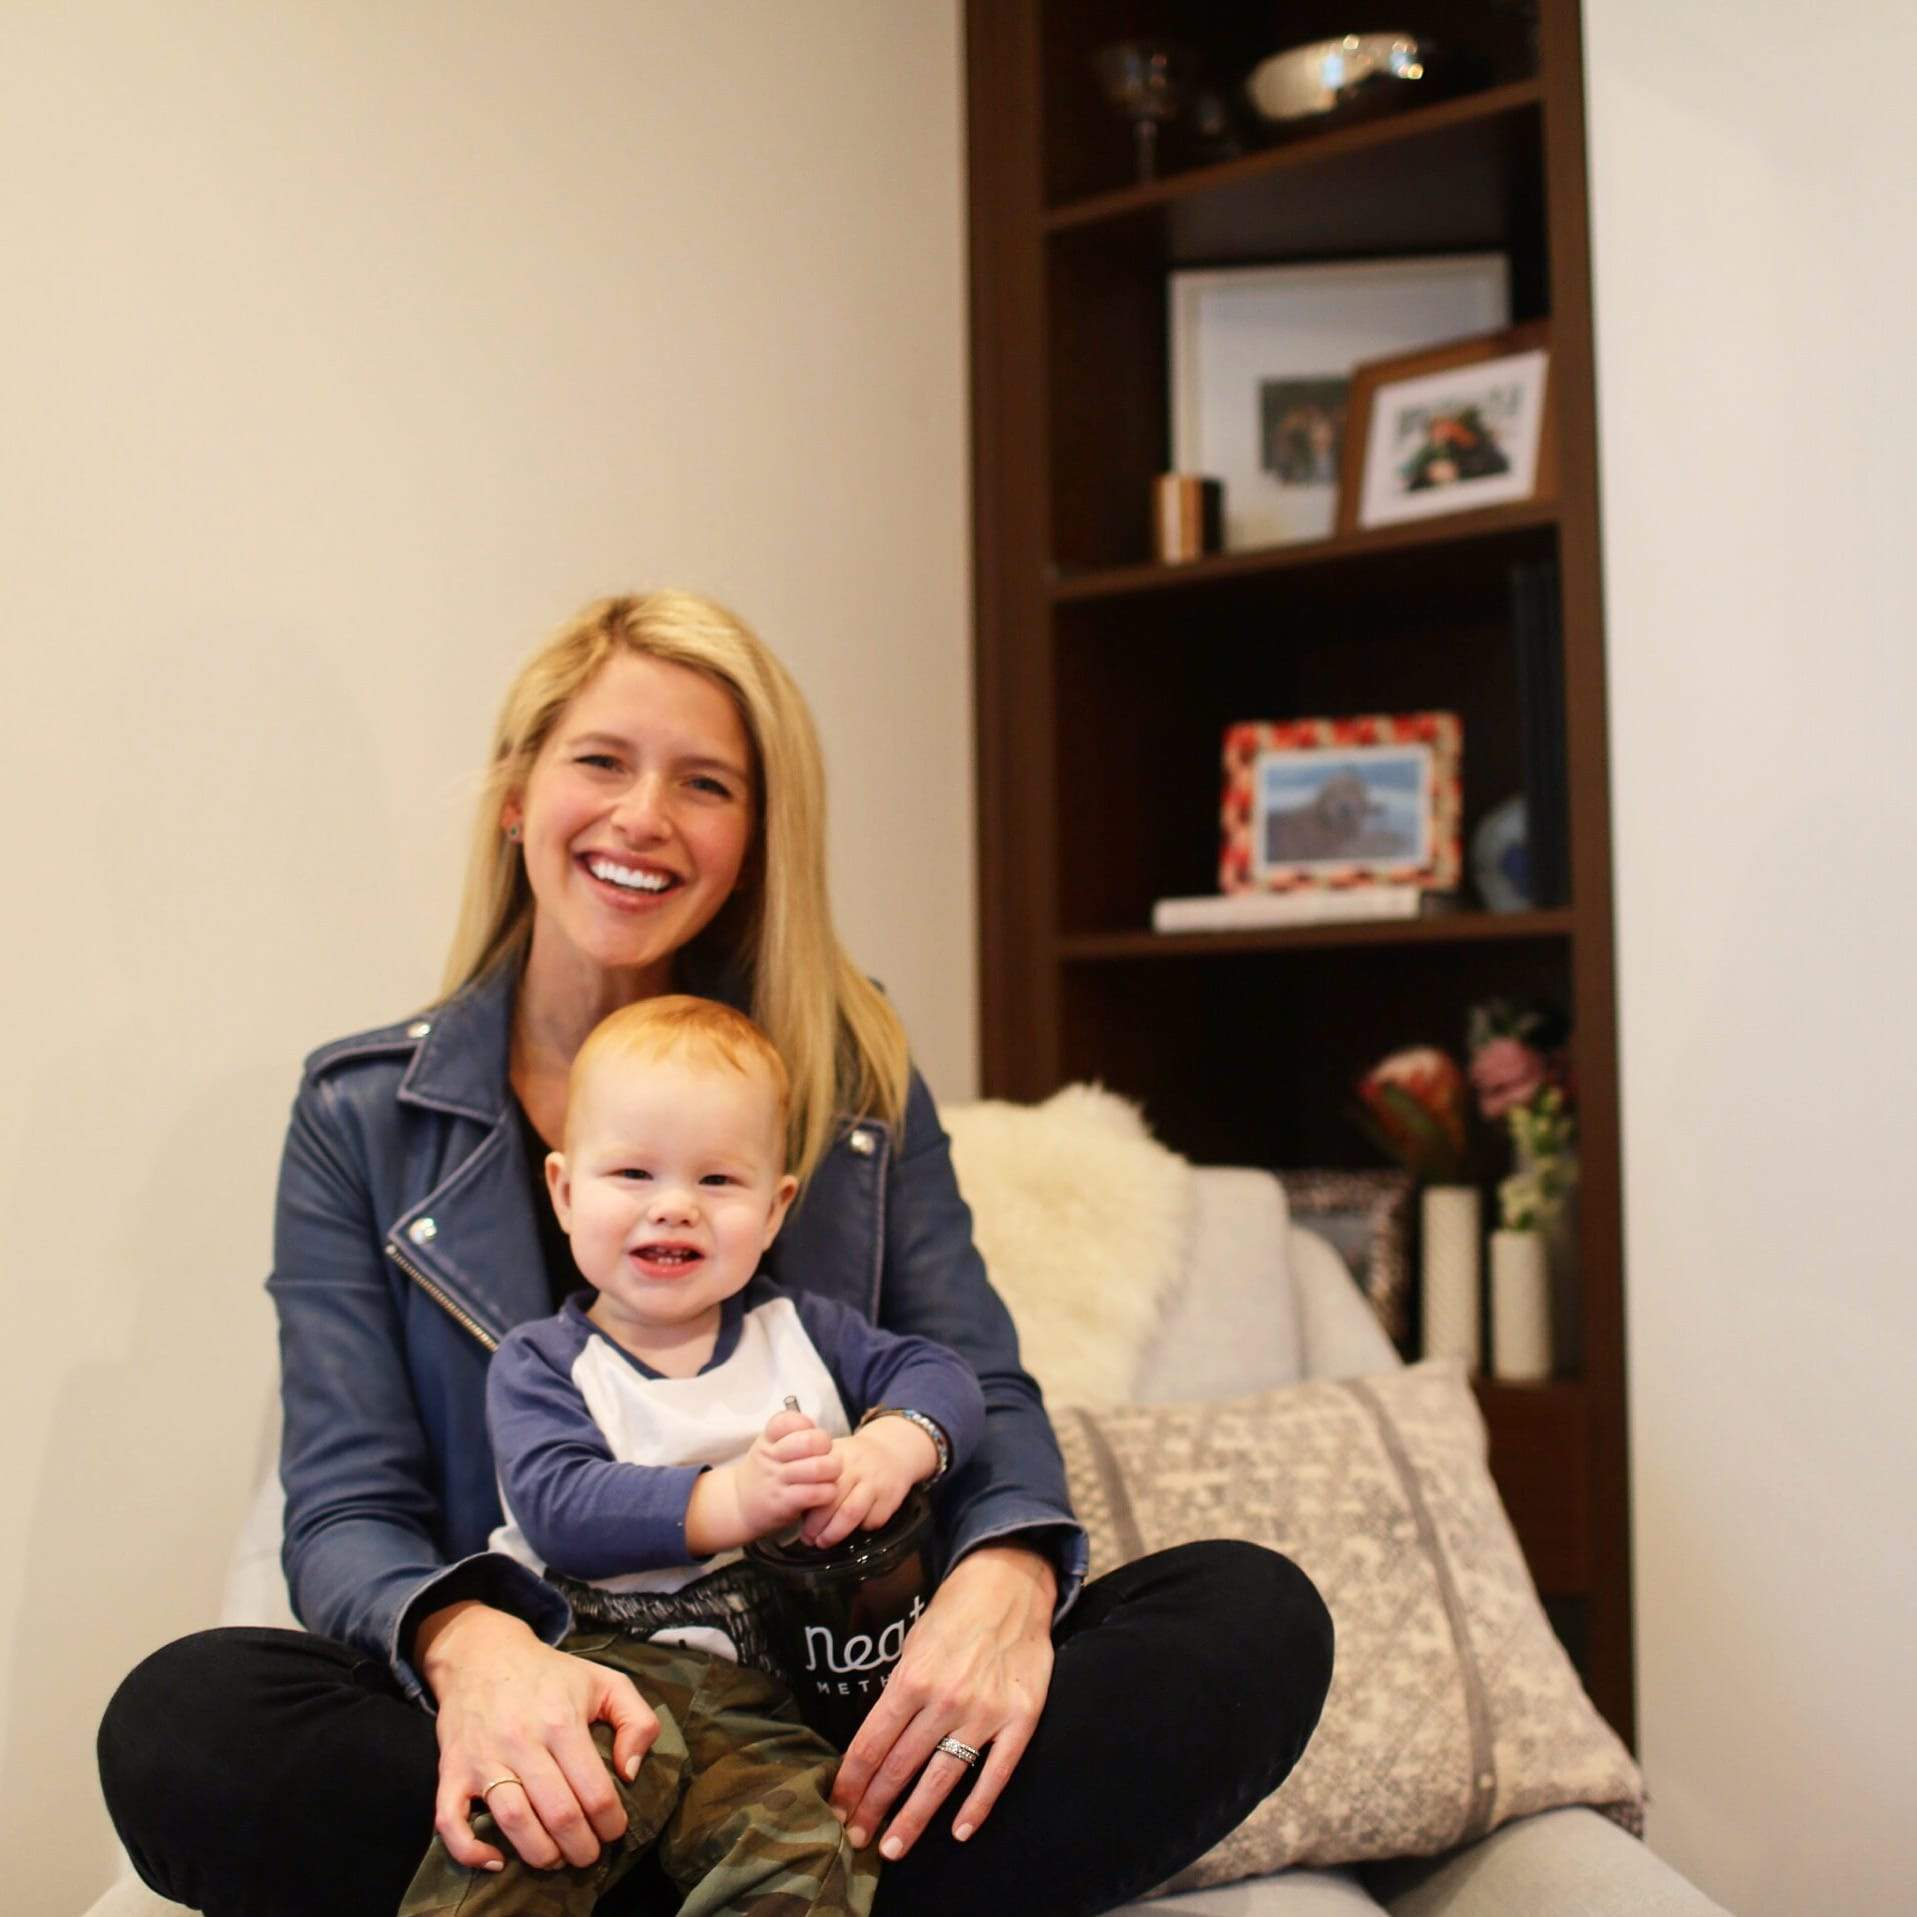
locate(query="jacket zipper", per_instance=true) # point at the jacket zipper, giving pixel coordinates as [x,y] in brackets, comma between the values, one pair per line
[442,1301]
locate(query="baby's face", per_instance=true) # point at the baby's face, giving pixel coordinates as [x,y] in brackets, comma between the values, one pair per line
[672,1185]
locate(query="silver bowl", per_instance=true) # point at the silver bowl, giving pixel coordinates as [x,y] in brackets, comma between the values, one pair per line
[1370,70]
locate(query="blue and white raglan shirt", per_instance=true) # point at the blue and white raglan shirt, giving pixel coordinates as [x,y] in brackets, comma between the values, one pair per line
[598,1453]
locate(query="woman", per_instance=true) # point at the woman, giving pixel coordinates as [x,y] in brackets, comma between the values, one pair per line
[653,819]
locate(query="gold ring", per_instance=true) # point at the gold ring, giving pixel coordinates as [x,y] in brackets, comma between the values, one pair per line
[509,1778]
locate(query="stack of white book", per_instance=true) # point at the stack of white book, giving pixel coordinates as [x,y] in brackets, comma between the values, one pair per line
[1253,911]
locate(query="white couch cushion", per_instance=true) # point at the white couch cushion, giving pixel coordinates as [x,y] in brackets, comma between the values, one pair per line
[1231,1324]
[1291,1893]
[1339,1332]
[1569,1863]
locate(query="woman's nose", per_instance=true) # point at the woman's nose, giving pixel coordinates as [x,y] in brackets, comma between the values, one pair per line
[641,811]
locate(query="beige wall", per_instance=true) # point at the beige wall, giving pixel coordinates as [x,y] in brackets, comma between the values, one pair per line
[347,347]
[1755,235]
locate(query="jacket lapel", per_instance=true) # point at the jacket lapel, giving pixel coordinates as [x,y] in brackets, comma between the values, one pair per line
[472,1237]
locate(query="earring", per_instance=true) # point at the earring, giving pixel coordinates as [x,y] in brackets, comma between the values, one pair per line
[512,832]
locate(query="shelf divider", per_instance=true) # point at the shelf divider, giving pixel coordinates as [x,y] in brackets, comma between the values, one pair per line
[1451,928]
[1307,150]
[1343,549]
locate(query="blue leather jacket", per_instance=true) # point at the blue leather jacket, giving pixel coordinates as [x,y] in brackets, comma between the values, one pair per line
[405,1248]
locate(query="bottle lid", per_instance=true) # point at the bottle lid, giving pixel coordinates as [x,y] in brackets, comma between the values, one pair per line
[864,1554]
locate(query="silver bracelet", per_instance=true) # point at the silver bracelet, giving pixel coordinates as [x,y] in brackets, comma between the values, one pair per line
[930,1426]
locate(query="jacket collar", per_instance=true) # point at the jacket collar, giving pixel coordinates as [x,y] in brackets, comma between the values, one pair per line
[461,1065]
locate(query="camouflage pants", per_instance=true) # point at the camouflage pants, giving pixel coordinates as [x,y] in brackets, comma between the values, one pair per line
[732,1795]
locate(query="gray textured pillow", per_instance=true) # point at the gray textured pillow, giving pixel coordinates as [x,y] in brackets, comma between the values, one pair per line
[1453,1707]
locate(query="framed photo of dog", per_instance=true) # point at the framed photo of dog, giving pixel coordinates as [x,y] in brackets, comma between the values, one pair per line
[1342,804]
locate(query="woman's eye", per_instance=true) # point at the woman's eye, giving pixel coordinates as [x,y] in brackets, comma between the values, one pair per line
[599,761]
[704,782]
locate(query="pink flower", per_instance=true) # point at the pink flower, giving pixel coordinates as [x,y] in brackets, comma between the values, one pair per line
[1506,1073]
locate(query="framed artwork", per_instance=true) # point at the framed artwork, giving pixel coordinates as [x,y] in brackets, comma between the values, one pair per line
[1327,804]
[1366,1216]
[1460,426]
[1261,365]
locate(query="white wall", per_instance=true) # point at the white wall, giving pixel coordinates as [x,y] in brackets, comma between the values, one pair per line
[346,348]
[1755,229]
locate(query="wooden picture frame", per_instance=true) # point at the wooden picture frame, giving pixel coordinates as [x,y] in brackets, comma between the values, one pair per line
[1400,406]
[1365,1216]
[1251,346]
[1341,805]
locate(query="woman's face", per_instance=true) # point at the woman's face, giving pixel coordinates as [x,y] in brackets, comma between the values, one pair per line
[636,819]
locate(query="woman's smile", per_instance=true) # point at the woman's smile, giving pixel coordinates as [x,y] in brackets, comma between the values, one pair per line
[631,881]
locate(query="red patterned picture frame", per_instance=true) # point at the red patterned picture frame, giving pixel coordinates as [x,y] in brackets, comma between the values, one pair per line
[1342,804]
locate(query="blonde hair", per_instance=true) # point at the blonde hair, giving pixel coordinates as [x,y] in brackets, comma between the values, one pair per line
[674,1026]
[842,1044]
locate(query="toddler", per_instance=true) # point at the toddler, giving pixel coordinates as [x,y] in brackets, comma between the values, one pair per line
[636,1457]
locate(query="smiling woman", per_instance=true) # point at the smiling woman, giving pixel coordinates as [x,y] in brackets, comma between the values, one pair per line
[653,820]
[674,676]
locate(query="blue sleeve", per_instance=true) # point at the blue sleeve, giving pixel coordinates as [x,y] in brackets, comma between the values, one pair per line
[583,1511]
[361,1548]
[872,1366]
[935,1287]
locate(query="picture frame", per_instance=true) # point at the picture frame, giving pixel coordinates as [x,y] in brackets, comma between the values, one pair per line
[1367,1217]
[1260,364]
[1341,804]
[1485,402]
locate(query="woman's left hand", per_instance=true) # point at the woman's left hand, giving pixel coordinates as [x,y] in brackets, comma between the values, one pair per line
[976,1667]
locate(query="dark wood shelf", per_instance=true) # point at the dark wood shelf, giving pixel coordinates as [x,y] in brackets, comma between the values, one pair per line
[1500,530]
[1533,1429]
[1549,1401]
[1433,179]
[1104,683]
[1448,929]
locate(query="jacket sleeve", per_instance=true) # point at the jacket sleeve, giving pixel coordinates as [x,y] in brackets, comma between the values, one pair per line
[934,1285]
[584,1512]
[872,1366]
[361,1555]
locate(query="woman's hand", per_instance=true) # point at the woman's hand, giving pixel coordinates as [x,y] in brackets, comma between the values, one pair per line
[510,1706]
[976,1667]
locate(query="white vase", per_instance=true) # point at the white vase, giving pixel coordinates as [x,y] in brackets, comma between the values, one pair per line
[1560,1235]
[1520,1307]
[1450,1310]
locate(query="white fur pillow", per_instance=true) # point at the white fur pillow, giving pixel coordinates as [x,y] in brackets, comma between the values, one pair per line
[1082,1219]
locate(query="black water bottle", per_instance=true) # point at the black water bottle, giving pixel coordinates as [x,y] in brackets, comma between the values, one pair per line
[840,1615]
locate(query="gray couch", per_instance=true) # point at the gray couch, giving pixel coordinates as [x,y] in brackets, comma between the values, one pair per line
[1266,1303]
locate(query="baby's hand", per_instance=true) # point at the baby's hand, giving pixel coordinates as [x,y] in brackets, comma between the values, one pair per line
[878,1464]
[791,1469]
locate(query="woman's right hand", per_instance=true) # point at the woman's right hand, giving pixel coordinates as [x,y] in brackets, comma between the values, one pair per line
[511,1706]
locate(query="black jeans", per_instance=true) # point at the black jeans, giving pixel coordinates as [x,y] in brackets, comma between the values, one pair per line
[256,1773]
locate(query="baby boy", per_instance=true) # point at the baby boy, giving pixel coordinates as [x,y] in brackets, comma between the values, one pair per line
[636,1458]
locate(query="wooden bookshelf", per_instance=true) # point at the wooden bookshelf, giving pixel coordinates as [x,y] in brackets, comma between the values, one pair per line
[1104,680]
